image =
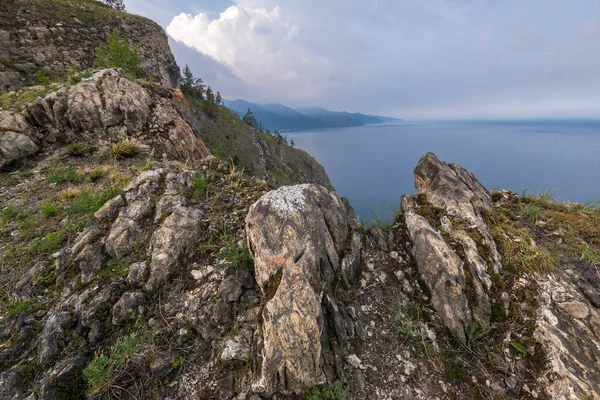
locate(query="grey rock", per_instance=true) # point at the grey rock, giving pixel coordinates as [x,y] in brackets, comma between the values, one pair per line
[127,307]
[234,350]
[52,334]
[351,260]
[231,289]
[172,242]
[295,234]
[138,273]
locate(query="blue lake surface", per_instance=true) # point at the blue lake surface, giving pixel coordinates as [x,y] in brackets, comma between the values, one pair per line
[373,165]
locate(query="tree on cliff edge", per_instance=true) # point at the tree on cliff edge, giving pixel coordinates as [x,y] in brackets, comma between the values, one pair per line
[117,4]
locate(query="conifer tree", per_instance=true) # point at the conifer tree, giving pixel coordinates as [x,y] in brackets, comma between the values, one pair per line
[218,98]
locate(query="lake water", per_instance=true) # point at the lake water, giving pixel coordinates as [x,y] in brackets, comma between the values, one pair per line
[373,165]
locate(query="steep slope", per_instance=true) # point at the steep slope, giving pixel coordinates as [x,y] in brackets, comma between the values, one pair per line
[42,39]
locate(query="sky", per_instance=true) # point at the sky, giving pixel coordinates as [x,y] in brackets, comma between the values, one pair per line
[414,59]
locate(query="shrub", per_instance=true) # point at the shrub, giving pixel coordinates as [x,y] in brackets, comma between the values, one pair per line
[49,209]
[119,53]
[125,148]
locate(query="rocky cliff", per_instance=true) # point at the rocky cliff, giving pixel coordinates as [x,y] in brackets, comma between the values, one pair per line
[53,36]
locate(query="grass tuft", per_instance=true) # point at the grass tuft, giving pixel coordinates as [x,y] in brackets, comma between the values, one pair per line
[49,209]
[65,175]
[76,149]
[125,148]
[333,391]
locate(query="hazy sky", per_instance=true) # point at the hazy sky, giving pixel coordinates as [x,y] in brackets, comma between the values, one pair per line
[406,58]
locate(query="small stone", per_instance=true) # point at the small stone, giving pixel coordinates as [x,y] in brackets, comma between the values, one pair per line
[394,255]
[231,289]
[511,382]
[505,299]
[15,233]
[354,361]
[161,364]
[223,166]
[201,274]
[235,351]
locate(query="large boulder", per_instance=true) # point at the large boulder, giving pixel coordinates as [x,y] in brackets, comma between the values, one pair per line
[452,243]
[296,235]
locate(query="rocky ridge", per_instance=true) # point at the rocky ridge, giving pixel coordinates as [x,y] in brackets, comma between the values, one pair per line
[53,36]
[287,296]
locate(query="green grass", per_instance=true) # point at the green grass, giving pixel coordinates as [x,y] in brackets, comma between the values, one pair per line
[91,199]
[115,269]
[333,391]
[233,255]
[125,148]
[18,308]
[49,209]
[67,174]
[103,367]
[9,212]
[201,183]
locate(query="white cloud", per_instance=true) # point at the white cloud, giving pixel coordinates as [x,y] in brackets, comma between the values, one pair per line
[259,44]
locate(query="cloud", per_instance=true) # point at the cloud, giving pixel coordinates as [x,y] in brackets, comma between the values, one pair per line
[410,58]
[259,44]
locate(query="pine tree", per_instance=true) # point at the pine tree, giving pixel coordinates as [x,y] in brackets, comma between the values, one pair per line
[191,86]
[260,127]
[219,99]
[187,80]
[268,132]
[250,119]
[210,96]
[292,143]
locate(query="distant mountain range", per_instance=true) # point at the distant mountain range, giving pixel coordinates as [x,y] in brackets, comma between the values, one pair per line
[282,118]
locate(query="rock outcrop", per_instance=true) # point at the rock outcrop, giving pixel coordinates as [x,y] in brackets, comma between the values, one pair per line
[444,221]
[53,36]
[102,110]
[296,235]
